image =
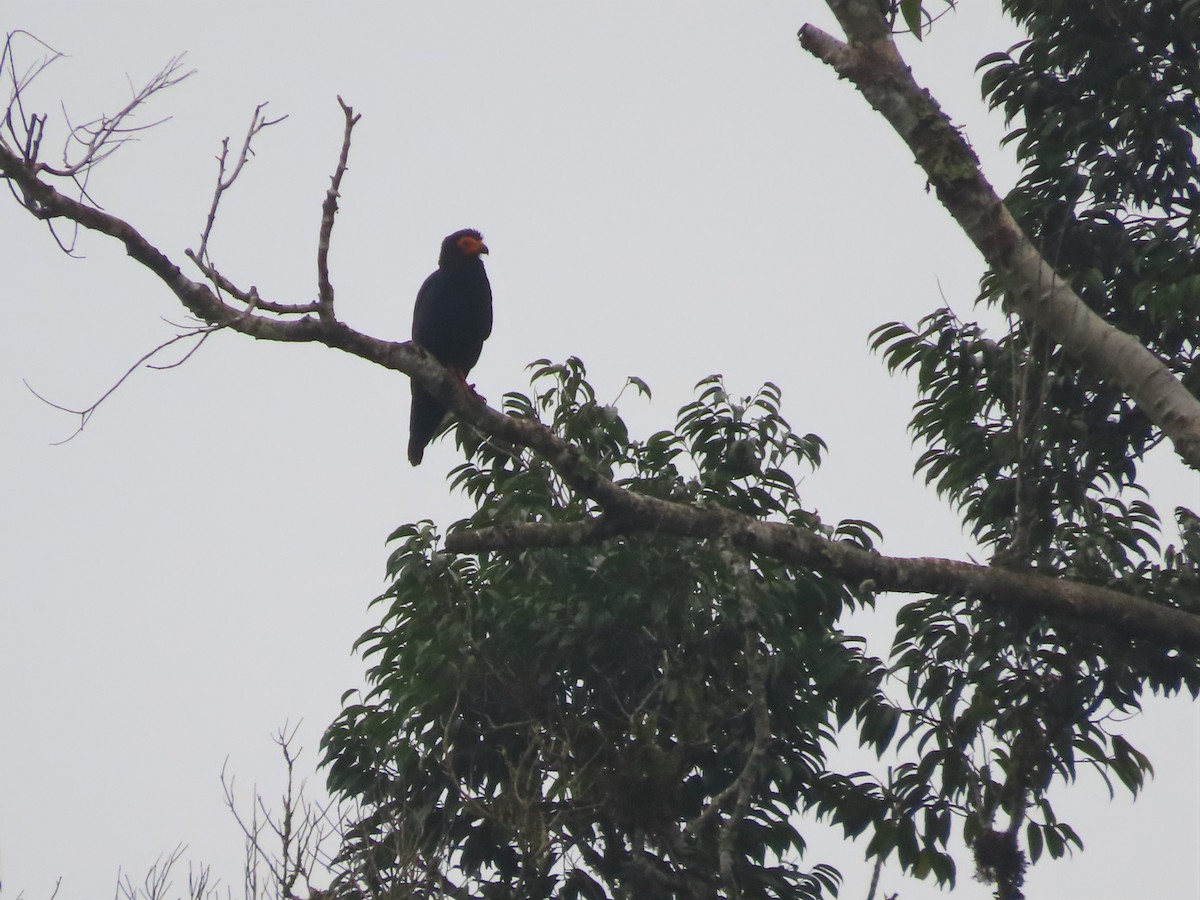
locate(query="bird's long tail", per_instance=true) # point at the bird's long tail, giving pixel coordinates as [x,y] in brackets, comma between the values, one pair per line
[423,423]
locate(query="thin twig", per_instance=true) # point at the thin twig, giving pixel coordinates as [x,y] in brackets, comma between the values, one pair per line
[328,210]
[86,414]
[99,138]
[207,333]
[258,123]
[104,135]
[300,830]
[32,126]
[226,176]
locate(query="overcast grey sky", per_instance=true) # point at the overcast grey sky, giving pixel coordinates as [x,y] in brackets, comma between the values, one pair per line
[668,189]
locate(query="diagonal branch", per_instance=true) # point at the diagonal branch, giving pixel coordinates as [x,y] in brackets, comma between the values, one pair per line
[625,512]
[870,60]
[1124,614]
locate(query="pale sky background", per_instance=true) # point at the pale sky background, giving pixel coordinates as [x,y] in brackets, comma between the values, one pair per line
[669,189]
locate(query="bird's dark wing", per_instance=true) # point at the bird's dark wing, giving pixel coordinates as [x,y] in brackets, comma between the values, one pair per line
[428,327]
[453,315]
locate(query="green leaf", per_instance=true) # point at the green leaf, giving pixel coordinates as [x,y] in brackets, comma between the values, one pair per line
[912,13]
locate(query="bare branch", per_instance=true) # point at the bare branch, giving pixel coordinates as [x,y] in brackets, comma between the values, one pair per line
[251,297]
[157,882]
[258,121]
[86,414]
[67,247]
[300,830]
[32,126]
[97,139]
[101,137]
[328,210]
[204,333]
[198,883]
[871,61]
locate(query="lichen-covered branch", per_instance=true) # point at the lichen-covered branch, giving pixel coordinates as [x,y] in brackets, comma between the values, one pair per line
[870,60]
[1124,614]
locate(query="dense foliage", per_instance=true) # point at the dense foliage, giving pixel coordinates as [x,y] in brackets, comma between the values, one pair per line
[645,716]
[1041,458]
[638,717]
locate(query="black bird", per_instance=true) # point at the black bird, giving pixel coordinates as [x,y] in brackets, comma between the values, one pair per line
[452,319]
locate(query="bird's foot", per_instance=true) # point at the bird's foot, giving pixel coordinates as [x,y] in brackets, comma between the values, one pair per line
[462,376]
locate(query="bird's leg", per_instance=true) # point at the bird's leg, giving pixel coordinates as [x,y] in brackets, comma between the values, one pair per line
[461,375]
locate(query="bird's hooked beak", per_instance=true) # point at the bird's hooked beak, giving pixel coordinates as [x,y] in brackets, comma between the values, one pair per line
[470,245]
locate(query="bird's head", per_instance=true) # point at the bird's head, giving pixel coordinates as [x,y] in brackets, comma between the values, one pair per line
[465,244]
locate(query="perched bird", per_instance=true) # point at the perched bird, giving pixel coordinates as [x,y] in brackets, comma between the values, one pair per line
[452,319]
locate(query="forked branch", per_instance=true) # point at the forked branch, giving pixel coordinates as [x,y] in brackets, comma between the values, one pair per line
[87,144]
[227,174]
[288,842]
[90,143]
